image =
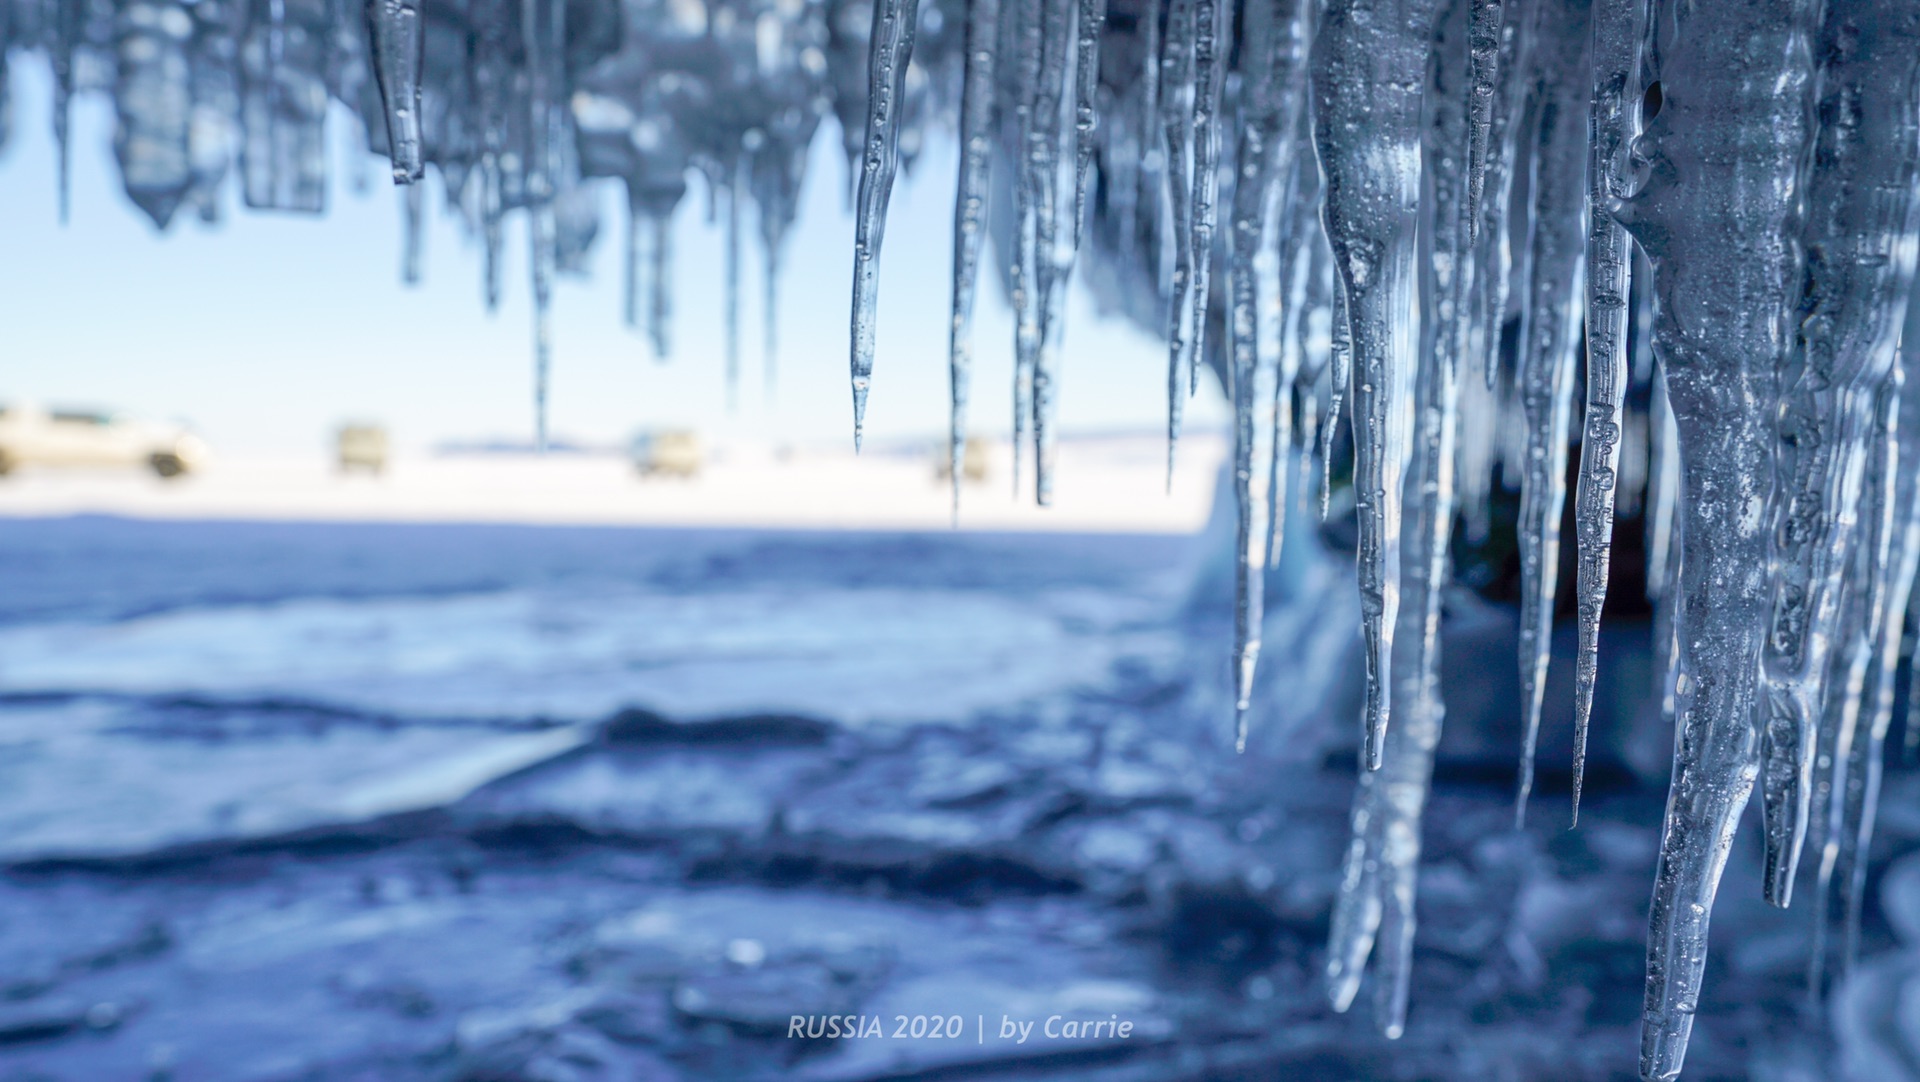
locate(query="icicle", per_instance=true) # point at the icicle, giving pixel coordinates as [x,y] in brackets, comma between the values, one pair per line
[66,38]
[1483,66]
[890,50]
[1340,374]
[732,309]
[1740,86]
[969,222]
[540,247]
[1493,246]
[413,233]
[397,40]
[1858,237]
[1550,351]
[1270,90]
[152,139]
[660,308]
[1176,116]
[1664,485]
[1362,54]
[1051,268]
[1086,66]
[1025,287]
[1615,34]
[1839,760]
[1298,241]
[1407,773]
[1212,29]
[1862,792]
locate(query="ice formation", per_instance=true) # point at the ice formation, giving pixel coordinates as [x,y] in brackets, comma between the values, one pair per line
[1436,211]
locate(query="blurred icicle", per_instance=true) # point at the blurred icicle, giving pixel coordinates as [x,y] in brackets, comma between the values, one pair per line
[397,37]
[969,222]
[1858,240]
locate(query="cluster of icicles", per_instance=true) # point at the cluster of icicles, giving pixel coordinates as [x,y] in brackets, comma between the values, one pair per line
[1442,217]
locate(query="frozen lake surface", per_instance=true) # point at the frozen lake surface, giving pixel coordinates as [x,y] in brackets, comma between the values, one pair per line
[411,801]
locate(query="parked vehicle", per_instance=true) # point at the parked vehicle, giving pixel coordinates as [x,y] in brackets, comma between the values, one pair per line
[974,461]
[361,447]
[668,453]
[33,436]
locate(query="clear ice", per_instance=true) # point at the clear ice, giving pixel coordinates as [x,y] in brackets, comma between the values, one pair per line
[1425,203]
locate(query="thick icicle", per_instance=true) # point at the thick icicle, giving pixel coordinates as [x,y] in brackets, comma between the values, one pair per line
[890,49]
[969,221]
[396,36]
[1212,36]
[1550,352]
[1739,88]
[1858,243]
[1176,120]
[1616,34]
[1367,130]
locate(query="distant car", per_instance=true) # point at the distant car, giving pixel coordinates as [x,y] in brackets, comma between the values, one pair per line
[32,436]
[361,447]
[974,461]
[670,453]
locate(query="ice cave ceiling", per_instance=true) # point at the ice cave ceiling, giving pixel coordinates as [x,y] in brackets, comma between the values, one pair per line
[1449,221]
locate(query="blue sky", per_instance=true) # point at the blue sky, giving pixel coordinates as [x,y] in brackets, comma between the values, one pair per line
[267,331]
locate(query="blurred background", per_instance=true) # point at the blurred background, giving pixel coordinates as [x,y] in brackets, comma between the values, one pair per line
[347,739]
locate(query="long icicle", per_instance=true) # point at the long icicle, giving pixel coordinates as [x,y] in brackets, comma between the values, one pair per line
[1862,793]
[890,49]
[1176,119]
[1362,53]
[1550,351]
[1266,145]
[1212,36]
[969,222]
[1051,270]
[1024,286]
[1407,775]
[1739,85]
[1839,768]
[1616,34]
[1493,244]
